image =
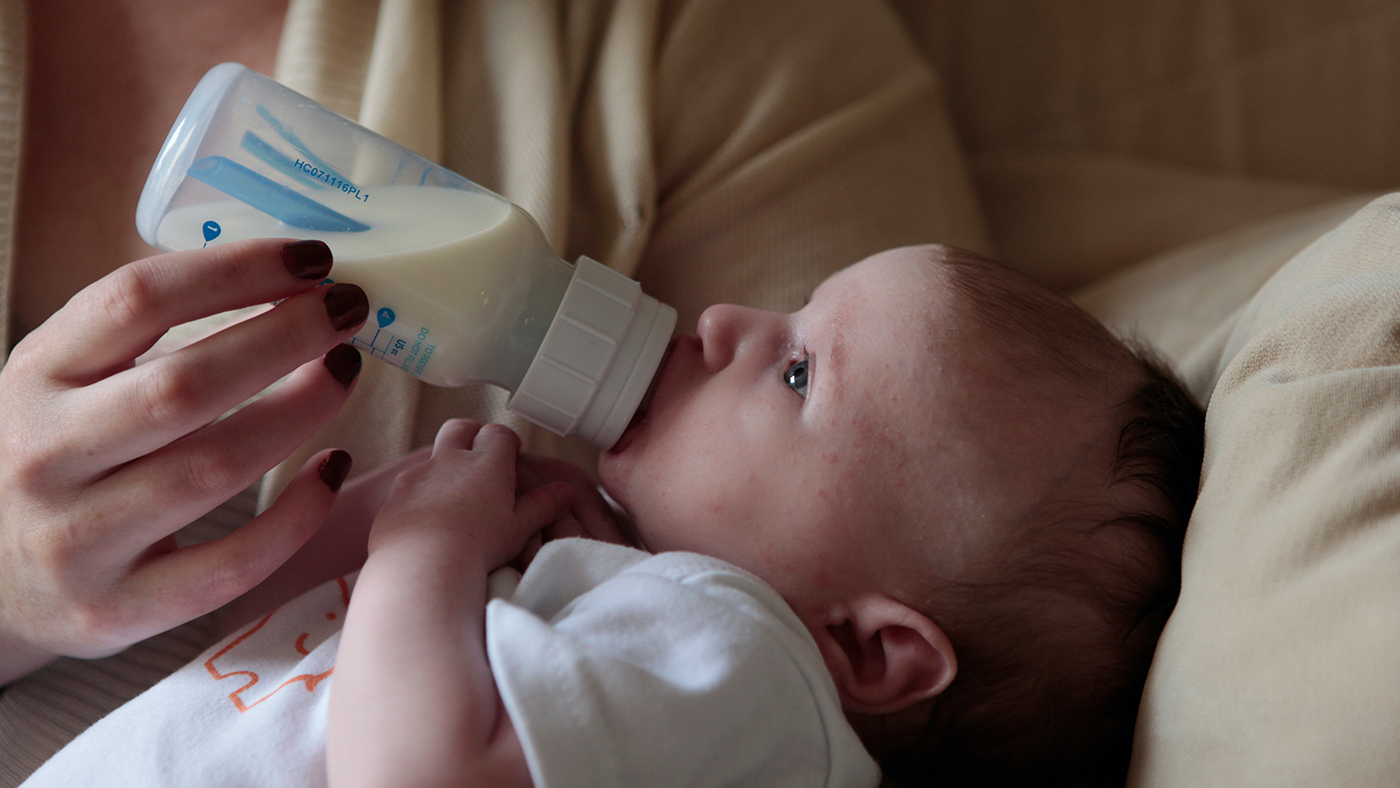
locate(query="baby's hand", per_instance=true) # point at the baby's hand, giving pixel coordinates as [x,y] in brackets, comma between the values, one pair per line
[589,516]
[463,499]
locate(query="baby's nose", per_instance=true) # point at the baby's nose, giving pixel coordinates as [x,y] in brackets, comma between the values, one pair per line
[721,328]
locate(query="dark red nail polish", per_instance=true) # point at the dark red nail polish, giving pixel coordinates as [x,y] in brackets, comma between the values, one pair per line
[307,259]
[335,468]
[344,364]
[346,305]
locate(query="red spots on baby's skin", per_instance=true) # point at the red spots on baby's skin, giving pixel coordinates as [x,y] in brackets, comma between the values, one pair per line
[330,616]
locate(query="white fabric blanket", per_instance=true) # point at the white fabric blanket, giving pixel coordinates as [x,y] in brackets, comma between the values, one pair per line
[616,667]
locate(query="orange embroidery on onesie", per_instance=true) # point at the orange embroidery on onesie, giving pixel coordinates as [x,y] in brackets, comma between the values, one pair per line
[310,680]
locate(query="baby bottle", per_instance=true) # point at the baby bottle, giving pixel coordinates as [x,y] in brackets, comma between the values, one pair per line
[462,286]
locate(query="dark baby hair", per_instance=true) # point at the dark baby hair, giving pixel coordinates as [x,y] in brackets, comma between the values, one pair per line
[1043,698]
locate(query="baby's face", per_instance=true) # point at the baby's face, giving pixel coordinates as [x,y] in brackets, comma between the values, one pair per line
[856,442]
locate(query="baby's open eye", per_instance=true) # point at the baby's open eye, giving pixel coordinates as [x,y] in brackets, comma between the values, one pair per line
[797,375]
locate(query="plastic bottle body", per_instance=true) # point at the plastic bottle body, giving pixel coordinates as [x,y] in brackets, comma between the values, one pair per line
[470,309]
[454,325]
[463,287]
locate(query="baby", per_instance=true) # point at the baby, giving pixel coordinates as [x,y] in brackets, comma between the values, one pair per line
[969,493]
[939,509]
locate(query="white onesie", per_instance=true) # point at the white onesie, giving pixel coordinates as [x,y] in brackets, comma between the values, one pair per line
[618,668]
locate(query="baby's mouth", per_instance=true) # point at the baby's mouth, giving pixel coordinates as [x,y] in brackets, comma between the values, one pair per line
[640,417]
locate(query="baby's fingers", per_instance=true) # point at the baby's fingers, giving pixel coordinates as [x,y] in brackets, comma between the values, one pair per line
[542,506]
[457,434]
[498,441]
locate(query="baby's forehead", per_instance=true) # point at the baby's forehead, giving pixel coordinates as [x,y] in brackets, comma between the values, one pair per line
[958,343]
[905,274]
[900,316]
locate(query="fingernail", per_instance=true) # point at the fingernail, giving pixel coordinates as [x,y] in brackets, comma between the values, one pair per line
[346,305]
[307,259]
[335,468]
[344,364]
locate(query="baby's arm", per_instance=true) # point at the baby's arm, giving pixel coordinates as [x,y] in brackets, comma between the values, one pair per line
[413,700]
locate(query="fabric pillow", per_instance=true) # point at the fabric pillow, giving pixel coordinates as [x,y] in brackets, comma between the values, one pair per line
[1278,666]
[1179,300]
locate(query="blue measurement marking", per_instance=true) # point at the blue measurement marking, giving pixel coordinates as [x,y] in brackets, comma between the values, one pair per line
[373,344]
[270,197]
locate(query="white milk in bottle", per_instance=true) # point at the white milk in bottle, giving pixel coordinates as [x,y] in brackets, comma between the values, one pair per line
[462,286]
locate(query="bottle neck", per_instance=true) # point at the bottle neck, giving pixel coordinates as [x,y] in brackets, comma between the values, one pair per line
[598,357]
[542,298]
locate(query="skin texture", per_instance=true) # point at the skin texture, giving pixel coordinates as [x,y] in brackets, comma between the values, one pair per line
[420,601]
[103,459]
[913,453]
[90,494]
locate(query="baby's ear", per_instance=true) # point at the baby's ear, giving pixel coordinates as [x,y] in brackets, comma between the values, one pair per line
[884,655]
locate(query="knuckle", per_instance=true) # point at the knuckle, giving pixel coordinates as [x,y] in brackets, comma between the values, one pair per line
[409,481]
[95,623]
[24,463]
[34,451]
[229,580]
[169,393]
[210,471]
[128,295]
[23,360]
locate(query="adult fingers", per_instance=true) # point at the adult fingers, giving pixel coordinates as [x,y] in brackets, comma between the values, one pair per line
[197,579]
[114,320]
[179,482]
[145,408]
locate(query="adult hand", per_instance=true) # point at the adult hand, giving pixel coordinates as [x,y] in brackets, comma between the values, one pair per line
[337,548]
[102,460]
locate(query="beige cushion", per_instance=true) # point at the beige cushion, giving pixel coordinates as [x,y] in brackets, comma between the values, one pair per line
[1183,299]
[1069,218]
[1296,90]
[1278,667]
